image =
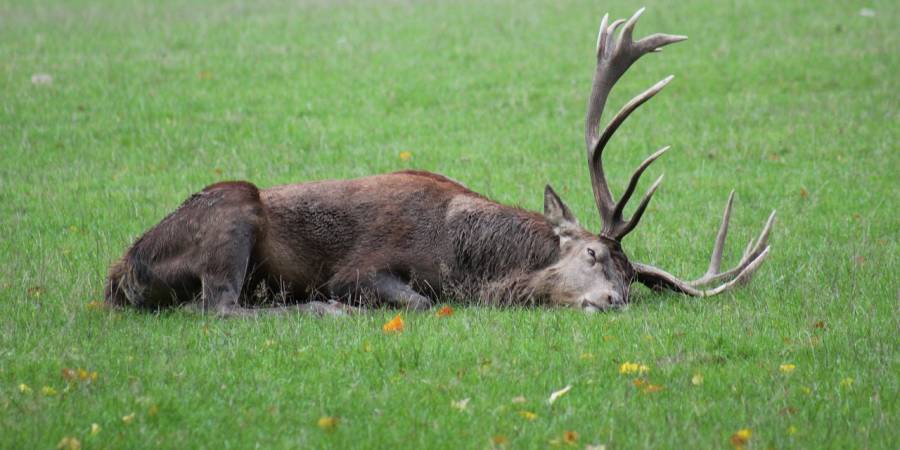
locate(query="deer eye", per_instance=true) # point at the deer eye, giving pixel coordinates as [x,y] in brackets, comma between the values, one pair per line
[592,254]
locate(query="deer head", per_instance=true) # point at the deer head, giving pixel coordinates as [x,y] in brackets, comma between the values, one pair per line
[593,271]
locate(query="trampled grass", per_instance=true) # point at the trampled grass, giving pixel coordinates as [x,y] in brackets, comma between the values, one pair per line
[793,104]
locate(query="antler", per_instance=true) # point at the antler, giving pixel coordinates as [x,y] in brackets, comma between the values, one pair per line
[614,57]
[752,258]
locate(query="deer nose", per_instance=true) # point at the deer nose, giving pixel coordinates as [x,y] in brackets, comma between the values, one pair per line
[602,301]
[591,307]
[616,299]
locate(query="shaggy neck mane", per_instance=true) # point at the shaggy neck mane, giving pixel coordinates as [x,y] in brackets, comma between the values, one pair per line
[497,250]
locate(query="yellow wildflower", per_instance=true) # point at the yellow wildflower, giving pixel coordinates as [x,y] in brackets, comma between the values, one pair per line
[528,415]
[741,437]
[697,379]
[847,382]
[327,423]
[787,368]
[95,429]
[628,368]
[791,430]
[48,391]
[127,419]
[69,443]
[23,388]
[405,156]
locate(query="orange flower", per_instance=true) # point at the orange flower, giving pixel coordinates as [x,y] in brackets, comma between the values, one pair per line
[646,387]
[393,325]
[570,437]
[500,440]
[68,374]
[445,312]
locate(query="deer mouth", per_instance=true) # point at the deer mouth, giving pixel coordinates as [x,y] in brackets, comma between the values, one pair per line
[594,307]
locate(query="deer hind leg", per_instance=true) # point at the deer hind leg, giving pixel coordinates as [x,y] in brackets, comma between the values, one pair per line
[227,219]
[223,279]
[394,291]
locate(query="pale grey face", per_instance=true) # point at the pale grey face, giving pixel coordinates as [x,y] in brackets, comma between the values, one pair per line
[592,272]
[587,276]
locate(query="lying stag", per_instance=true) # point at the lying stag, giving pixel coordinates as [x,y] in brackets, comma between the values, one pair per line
[407,237]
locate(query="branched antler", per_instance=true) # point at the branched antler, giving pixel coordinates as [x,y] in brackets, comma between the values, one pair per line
[614,57]
[752,258]
[750,253]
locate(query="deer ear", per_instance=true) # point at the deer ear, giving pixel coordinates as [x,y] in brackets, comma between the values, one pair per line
[557,212]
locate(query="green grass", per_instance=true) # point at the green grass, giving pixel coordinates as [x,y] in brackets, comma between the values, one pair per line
[793,104]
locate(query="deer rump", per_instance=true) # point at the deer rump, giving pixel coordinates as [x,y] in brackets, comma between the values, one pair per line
[402,238]
[409,237]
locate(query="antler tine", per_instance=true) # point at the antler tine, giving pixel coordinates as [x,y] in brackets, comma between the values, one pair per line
[752,258]
[657,278]
[626,227]
[632,183]
[627,31]
[623,114]
[750,253]
[602,36]
[715,261]
[614,57]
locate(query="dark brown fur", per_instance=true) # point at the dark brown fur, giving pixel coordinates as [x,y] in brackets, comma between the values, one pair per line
[408,237]
[337,239]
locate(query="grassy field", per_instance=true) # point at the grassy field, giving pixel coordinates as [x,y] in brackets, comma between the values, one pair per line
[793,104]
